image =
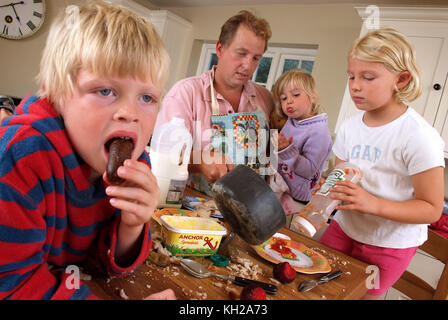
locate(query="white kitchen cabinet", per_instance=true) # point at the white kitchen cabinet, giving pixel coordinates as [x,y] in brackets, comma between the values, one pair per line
[175,32]
[427,29]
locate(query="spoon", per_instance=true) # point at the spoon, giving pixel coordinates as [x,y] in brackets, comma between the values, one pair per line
[200,271]
[307,285]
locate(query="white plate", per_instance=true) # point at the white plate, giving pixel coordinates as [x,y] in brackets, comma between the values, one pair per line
[301,260]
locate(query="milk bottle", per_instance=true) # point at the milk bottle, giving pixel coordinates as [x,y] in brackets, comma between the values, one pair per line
[169,151]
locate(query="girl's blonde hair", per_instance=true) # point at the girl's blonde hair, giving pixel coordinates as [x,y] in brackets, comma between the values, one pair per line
[393,49]
[108,40]
[296,78]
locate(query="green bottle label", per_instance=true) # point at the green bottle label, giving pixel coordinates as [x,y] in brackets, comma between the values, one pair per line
[335,175]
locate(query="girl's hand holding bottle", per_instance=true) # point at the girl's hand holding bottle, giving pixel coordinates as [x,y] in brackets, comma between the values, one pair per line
[353,197]
[316,213]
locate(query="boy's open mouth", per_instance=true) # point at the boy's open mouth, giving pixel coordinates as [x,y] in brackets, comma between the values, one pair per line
[124,139]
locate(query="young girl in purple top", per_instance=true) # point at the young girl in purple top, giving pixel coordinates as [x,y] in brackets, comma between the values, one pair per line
[304,142]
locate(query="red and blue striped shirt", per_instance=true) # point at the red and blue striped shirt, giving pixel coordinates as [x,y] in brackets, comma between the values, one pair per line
[50,213]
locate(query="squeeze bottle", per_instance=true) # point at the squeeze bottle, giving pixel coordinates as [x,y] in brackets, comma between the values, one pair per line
[316,213]
[169,152]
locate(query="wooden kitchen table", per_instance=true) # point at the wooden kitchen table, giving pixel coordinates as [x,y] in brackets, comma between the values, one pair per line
[148,278]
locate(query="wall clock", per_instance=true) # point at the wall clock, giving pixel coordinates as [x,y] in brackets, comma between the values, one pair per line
[20,19]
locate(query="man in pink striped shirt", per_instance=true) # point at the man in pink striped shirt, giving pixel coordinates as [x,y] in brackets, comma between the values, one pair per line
[225,90]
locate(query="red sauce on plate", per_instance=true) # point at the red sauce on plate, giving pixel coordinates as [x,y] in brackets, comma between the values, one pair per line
[281,246]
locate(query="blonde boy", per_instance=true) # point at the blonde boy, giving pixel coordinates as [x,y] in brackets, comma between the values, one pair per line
[102,72]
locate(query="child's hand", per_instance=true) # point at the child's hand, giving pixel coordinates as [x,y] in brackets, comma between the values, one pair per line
[138,196]
[354,197]
[167,294]
[283,142]
[318,186]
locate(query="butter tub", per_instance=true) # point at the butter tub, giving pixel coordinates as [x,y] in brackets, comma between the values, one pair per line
[191,236]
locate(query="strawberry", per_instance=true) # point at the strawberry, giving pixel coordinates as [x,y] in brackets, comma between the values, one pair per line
[284,273]
[253,292]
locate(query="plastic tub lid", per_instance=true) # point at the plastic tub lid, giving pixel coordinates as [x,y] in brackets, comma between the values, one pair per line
[204,225]
[305,226]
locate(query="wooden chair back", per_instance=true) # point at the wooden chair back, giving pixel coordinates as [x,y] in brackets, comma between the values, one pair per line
[418,289]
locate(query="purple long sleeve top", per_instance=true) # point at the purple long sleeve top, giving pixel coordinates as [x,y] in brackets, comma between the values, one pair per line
[302,162]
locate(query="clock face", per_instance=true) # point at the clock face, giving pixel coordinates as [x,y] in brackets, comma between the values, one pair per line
[21,18]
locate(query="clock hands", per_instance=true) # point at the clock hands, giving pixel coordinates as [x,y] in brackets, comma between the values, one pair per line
[13,4]
[17,17]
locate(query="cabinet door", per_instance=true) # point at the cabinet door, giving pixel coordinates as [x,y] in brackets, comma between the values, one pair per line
[442,116]
[430,41]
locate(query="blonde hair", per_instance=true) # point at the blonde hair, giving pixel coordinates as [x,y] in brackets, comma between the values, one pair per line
[296,78]
[393,49]
[108,40]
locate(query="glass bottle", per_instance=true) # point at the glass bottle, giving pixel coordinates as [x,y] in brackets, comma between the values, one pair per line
[316,213]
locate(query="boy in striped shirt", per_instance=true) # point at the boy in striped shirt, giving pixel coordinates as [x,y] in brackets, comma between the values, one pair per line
[101,77]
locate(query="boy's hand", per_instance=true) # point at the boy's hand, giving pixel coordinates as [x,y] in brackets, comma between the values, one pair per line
[137,198]
[354,198]
[167,294]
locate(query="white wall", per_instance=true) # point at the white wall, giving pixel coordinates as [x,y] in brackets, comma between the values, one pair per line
[20,59]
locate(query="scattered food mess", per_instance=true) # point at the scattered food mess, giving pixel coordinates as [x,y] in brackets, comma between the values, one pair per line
[123,294]
[159,255]
[244,267]
[159,259]
[284,273]
[157,244]
[206,209]
[253,292]
[120,149]
[334,260]
[233,292]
